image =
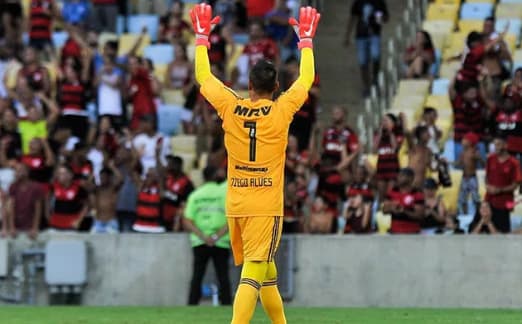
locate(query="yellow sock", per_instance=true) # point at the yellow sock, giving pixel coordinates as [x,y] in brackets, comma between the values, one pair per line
[270,297]
[252,276]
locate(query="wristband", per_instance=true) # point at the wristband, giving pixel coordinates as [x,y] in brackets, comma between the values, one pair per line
[202,40]
[305,43]
[214,236]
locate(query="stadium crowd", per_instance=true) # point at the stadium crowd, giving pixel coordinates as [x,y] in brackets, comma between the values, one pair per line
[84,146]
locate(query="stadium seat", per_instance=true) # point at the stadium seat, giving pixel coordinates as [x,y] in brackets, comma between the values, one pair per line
[135,24]
[183,144]
[196,177]
[468,25]
[128,40]
[443,12]
[383,222]
[59,39]
[188,161]
[451,2]
[415,87]
[482,1]
[439,39]
[508,10]
[159,71]
[510,1]
[439,102]
[173,97]
[120,25]
[440,86]
[438,26]
[476,10]
[169,119]
[448,70]
[454,45]
[160,53]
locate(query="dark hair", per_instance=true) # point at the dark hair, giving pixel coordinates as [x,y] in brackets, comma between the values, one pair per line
[393,118]
[500,136]
[112,44]
[428,42]
[467,85]
[175,159]
[490,18]
[518,70]
[209,173]
[67,167]
[430,183]
[429,110]
[407,172]
[419,130]
[473,37]
[263,77]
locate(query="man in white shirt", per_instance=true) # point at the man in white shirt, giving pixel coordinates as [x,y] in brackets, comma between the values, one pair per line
[146,141]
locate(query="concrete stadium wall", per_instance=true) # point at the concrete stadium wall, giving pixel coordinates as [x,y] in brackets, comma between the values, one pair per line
[355,271]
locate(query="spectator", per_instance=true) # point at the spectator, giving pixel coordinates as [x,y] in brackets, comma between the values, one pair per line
[75,12]
[34,73]
[24,205]
[321,217]
[233,14]
[179,72]
[173,29]
[368,17]
[469,115]
[10,137]
[340,143]
[155,82]
[73,102]
[508,122]
[146,141]
[330,187]
[70,201]
[258,48]
[469,160]
[292,220]
[357,215]
[109,84]
[387,143]
[205,219]
[405,204]
[220,40]
[429,120]
[503,176]
[420,156]
[12,18]
[514,89]
[305,119]
[483,221]
[278,29]
[41,16]
[420,56]
[140,91]
[127,165]
[104,199]
[177,187]
[103,15]
[434,210]
[148,207]
[82,168]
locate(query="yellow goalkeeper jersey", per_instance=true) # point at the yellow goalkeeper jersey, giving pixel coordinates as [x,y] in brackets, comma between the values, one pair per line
[256,134]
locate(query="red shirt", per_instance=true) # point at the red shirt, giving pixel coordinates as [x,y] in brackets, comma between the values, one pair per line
[502,174]
[25,198]
[334,139]
[472,64]
[401,223]
[143,98]
[362,189]
[71,49]
[177,190]
[262,49]
[510,124]
[259,8]
[68,204]
[468,117]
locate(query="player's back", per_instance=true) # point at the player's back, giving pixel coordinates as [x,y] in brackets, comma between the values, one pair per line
[256,138]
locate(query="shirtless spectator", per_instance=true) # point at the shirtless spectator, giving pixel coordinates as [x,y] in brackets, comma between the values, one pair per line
[104,199]
[419,155]
[469,160]
[321,217]
[429,120]
[405,204]
[24,205]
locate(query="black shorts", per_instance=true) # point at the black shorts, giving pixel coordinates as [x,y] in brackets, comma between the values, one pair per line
[79,125]
[501,218]
[41,43]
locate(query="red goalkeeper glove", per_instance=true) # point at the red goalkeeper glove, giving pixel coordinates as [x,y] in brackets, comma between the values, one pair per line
[306,26]
[202,23]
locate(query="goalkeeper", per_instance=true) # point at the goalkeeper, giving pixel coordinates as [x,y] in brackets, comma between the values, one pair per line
[256,132]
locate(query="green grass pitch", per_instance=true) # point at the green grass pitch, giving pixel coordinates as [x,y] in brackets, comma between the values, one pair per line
[207,315]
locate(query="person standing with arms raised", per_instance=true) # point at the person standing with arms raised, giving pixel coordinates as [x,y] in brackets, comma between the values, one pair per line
[256,133]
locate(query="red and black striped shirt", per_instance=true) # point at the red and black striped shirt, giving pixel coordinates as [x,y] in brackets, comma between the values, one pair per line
[401,223]
[148,208]
[388,157]
[510,125]
[72,98]
[468,117]
[41,19]
[68,203]
[177,190]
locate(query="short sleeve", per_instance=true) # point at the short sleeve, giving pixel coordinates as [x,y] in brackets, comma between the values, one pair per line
[218,95]
[353,143]
[517,173]
[291,101]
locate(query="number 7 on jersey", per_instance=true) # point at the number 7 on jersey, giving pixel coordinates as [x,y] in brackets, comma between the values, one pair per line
[252,135]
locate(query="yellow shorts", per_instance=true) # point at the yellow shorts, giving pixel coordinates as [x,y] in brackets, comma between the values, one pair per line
[254,238]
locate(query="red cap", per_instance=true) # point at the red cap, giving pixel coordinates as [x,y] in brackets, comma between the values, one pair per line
[472,138]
